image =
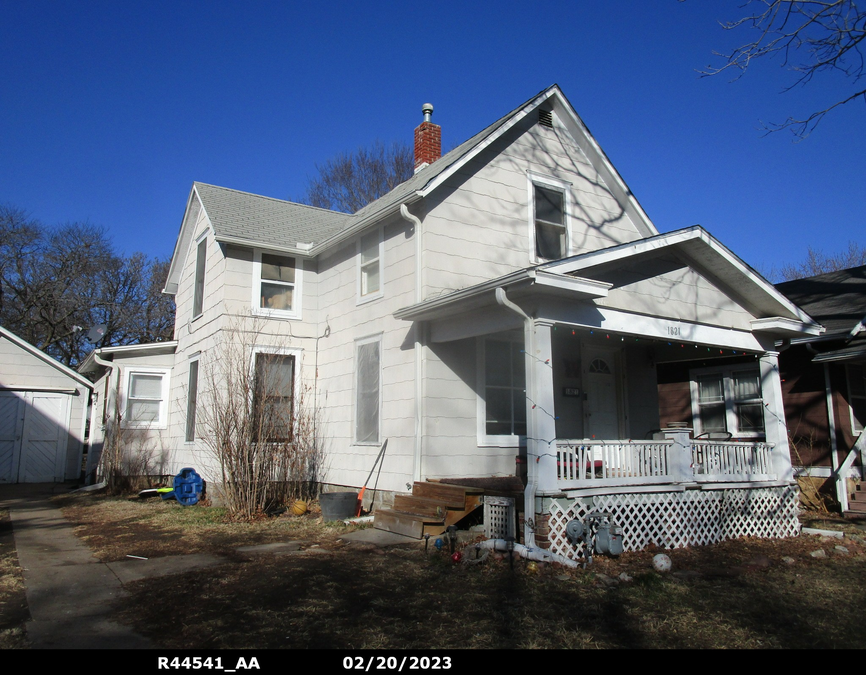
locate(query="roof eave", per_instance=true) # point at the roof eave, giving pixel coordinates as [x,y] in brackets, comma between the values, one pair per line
[532,277]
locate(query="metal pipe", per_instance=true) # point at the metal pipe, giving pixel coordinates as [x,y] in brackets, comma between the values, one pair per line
[529,552]
[531,435]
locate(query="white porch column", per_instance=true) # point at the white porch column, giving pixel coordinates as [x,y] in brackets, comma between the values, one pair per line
[541,408]
[774,416]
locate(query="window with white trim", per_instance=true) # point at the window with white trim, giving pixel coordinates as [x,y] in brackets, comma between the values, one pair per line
[146,396]
[273,397]
[368,389]
[550,232]
[857,397]
[276,285]
[728,400]
[370,253]
[548,216]
[198,291]
[502,387]
[191,400]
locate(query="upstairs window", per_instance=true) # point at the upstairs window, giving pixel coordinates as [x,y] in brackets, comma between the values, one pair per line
[273,397]
[549,208]
[276,285]
[549,224]
[370,265]
[198,293]
[728,400]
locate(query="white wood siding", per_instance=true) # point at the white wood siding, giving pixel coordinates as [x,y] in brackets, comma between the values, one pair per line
[479,227]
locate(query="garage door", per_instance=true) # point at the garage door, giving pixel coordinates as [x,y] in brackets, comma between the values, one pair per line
[33,436]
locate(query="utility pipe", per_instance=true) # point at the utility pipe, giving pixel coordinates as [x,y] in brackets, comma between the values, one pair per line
[532,453]
[529,552]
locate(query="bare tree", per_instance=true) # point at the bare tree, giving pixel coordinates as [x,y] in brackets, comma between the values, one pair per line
[812,37]
[350,181]
[817,262]
[57,283]
[257,425]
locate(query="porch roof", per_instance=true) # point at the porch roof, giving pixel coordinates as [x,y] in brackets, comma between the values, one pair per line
[553,289]
[696,248]
[519,284]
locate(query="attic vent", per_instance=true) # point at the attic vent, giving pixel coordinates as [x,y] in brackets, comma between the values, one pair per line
[545,118]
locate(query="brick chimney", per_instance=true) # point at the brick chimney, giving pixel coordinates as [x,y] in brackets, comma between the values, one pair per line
[428,140]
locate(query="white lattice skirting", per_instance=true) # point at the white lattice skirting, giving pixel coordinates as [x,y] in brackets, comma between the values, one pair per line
[690,518]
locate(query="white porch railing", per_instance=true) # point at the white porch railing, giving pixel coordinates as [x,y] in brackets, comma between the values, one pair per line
[603,463]
[726,461]
[583,464]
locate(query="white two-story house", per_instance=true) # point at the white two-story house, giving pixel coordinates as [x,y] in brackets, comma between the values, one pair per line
[508,307]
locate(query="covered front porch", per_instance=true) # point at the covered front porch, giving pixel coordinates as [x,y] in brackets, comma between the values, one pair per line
[642,380]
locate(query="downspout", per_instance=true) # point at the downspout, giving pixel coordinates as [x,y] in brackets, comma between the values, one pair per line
[110,404]
[418,337]
[531,437]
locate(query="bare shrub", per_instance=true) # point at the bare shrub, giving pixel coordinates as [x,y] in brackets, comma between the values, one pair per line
[812,494]
[132,458]
[256,423]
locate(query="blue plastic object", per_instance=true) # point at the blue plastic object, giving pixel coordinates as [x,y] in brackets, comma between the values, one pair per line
[188,486]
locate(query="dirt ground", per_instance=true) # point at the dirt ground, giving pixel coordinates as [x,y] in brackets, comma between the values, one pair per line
[746,593]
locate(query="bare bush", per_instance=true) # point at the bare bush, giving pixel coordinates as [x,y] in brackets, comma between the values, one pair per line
[257,423]
[132,458]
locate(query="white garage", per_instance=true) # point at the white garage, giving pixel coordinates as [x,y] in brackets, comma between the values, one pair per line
[43,412]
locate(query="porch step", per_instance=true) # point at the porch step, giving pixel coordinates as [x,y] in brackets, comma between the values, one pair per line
[430,509]
[857,502]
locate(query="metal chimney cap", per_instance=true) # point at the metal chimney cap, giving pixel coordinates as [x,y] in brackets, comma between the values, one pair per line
[427,109]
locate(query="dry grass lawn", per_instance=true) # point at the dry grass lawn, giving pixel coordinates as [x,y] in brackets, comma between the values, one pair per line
[333,594]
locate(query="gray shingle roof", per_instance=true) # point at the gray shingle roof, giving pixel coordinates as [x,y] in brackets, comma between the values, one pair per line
[836,300]
[266,221]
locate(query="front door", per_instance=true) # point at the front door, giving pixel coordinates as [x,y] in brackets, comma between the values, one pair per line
[601,406]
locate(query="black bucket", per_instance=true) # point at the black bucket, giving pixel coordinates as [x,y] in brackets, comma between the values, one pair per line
[338,505]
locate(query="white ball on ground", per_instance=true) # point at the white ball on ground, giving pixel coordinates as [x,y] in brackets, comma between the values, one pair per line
[661,563]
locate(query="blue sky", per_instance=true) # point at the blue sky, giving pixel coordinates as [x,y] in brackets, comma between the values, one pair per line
[109,111]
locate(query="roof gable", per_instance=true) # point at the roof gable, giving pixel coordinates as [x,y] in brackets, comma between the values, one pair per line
[45,358]
[695,248]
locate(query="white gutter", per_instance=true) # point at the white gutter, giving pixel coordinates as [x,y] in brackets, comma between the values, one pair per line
[531,436]
[418,330]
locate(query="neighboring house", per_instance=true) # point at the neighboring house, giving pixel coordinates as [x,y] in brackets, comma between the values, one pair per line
[510,305]
[824,382]
[43,415]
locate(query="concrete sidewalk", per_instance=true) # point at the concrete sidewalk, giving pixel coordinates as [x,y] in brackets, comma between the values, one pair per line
[70,593]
